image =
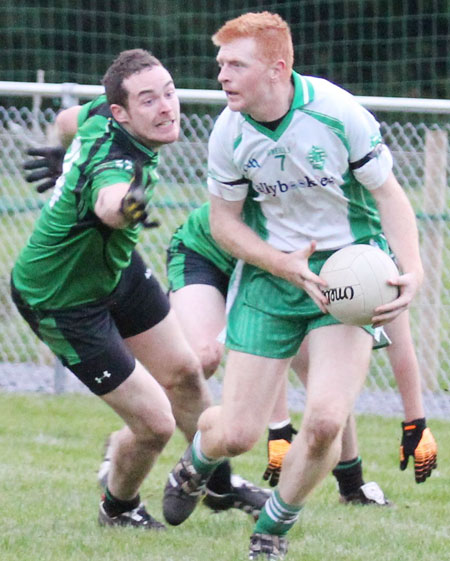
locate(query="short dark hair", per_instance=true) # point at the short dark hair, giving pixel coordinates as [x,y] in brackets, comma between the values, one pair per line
[127,63]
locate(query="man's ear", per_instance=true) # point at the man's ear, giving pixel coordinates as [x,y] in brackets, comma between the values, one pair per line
[119,113]
[278,69]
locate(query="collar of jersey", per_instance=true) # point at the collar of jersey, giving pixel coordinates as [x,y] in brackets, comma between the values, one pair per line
[303,91]
[147,151]
[303,94]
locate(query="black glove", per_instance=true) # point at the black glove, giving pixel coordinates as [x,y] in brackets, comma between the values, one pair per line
[278,444]
[417,441]
[133,205]
[48,166]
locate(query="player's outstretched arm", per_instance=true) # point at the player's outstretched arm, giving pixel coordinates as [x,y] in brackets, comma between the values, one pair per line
[124,204]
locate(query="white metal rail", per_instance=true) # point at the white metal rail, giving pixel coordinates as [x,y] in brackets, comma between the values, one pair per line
[70,94]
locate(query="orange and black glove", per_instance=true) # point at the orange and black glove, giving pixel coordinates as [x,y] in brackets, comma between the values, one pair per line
[278,443]
[418,441]
[133,206]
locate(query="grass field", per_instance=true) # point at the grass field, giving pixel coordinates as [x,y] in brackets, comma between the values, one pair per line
[50,448]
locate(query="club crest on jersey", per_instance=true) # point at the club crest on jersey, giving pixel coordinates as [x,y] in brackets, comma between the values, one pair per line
[316,157]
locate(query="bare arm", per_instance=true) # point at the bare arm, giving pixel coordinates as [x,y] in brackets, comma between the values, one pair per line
[229,230]
[108,205]
[66,125]
[405,366]
[399,224]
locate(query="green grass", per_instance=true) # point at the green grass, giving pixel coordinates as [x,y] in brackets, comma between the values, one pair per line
[50,448]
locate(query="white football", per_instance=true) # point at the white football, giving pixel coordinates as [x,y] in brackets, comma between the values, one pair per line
[357,278]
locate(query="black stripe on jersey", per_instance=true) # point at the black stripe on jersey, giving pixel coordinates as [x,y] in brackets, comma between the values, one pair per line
[120,147]
[363,161]
[94,149]
[242,181]
[102,109]
[91,220]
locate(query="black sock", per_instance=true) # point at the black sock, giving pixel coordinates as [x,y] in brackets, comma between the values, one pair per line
[220,480]
[114,506]
[349,476]
[285,433]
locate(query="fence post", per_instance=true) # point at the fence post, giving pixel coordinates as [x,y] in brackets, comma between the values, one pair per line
[68,98]
[432,246]
[37,101]
[60,377]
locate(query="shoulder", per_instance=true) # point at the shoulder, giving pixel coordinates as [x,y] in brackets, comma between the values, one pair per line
[228,123]
[227,134]
[330,98]
[98,107]
[338,109]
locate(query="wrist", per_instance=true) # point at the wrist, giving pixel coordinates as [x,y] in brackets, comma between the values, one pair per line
[414,424]
[280,424]
[283,433]
[276,265]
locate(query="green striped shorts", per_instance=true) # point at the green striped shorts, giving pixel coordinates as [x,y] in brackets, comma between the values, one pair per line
[270,316]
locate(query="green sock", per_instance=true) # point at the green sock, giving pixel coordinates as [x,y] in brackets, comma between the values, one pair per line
[202,463]
[277,517]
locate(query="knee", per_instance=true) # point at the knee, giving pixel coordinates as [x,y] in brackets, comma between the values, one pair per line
[187,373]
[237,442]
[210,356]
[321,432]
[156,428]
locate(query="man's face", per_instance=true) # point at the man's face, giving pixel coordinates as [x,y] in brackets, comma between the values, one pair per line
[244,77]
[153,112]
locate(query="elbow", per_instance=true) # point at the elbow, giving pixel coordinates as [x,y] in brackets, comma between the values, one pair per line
[215,230]
[225,221]
[216,227]
[107,213]
[220,235]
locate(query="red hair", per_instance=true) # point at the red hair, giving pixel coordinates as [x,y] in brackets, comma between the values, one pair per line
[271,33]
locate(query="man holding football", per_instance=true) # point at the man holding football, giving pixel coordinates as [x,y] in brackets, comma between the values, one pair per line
[318,176]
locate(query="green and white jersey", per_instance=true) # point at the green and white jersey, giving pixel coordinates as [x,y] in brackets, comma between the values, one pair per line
[195,234]
[72,257]
[311,177]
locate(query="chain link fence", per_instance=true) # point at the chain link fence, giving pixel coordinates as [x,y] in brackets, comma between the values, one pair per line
[419,143]
[370,47]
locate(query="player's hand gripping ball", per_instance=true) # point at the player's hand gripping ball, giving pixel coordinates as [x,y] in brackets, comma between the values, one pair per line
[357,277]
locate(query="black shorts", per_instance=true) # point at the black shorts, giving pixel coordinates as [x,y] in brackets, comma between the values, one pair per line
[186,266]
[89,339]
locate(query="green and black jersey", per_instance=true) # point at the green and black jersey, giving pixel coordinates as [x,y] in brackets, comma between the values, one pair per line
[195,234]
[72,258]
